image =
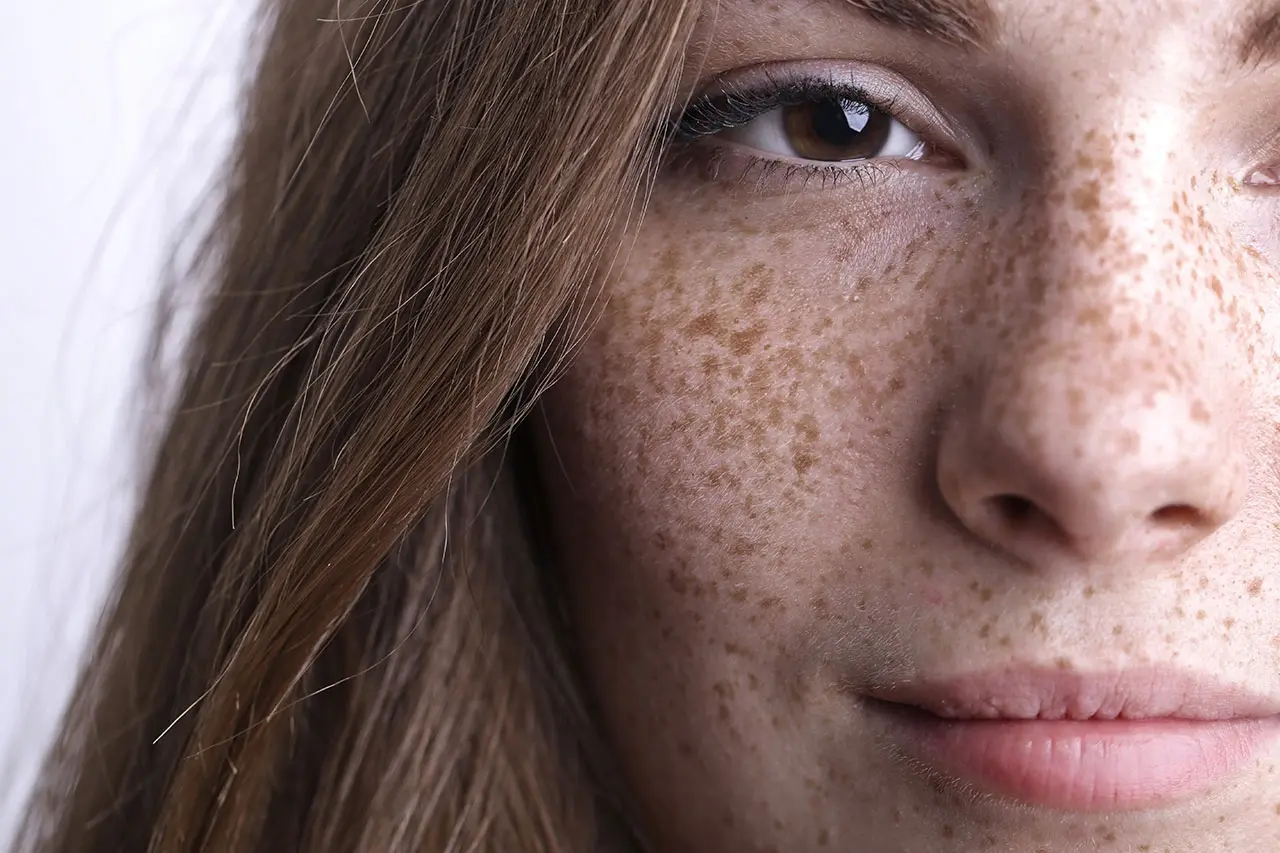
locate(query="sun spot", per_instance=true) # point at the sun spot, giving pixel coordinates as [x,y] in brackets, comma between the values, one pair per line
[742,343]
[706,325]
[803,460]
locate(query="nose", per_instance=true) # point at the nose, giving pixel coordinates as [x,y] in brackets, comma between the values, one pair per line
[1084,471]
[1101,427]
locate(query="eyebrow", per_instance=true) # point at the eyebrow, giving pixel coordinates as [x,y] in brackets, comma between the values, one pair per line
[966,23]
[972,23]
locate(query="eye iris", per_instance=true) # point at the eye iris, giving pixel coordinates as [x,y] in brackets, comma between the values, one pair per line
[833,129]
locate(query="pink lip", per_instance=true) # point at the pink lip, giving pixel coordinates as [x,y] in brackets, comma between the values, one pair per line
[1139,739]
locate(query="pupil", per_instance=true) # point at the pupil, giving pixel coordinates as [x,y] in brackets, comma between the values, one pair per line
[832,130]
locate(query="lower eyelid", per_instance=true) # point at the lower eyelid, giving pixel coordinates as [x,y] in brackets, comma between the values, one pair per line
[737,166]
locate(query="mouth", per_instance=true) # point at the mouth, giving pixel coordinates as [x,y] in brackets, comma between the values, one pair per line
[1127,741]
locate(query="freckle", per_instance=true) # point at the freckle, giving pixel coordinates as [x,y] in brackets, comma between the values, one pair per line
[1006,641]
[868,544]
[1215,284]
[1088,198]
[802,461]
[985,631]
[1228,623]
[1200,614]
[742,343]
[1255,587]
[1117,630]
[1063,663]
[927,567]
[706,325]
[1089,591]
[948,831]
[985,595]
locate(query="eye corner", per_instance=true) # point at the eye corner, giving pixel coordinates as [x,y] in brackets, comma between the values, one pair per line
[1261,177]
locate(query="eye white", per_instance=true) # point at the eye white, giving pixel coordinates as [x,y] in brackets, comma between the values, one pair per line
[768,133]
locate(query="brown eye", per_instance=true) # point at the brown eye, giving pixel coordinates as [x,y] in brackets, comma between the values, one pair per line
[836,130]
[829,130]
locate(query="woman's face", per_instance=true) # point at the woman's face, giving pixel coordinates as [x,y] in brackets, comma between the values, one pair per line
[918,490]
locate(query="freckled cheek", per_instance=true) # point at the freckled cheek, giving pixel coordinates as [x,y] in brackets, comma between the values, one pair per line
[679,493]
[727,451]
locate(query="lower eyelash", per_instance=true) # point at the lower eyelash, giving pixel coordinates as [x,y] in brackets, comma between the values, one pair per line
[769,176]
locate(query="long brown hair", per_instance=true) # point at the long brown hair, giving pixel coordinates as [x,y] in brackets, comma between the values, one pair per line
[332,630]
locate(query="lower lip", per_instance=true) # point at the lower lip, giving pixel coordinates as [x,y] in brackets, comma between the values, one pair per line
[1090,766]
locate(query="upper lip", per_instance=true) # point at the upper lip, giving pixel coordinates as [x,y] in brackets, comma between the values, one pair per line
[1041,693]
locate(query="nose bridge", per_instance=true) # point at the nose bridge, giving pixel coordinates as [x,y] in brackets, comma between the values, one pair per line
[1126,210]
[1124,257]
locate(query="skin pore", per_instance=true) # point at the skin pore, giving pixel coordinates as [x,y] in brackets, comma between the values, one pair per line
[1010,404]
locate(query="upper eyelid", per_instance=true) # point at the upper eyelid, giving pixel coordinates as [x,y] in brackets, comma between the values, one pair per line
[803,88]
[883,88]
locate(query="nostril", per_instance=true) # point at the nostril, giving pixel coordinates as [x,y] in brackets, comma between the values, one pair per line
[1178,515]
[1023,519]
[1013,510]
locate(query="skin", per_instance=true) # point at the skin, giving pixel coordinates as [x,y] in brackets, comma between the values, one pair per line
[772,465]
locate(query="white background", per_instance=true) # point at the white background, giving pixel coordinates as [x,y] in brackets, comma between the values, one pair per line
[111,117]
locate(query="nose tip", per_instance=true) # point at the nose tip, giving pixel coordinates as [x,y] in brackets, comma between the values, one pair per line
[1133,483]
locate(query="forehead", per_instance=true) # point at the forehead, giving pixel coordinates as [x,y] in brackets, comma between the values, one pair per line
[1235,32]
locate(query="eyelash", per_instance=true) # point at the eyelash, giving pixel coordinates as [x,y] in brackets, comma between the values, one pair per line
[709,115]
